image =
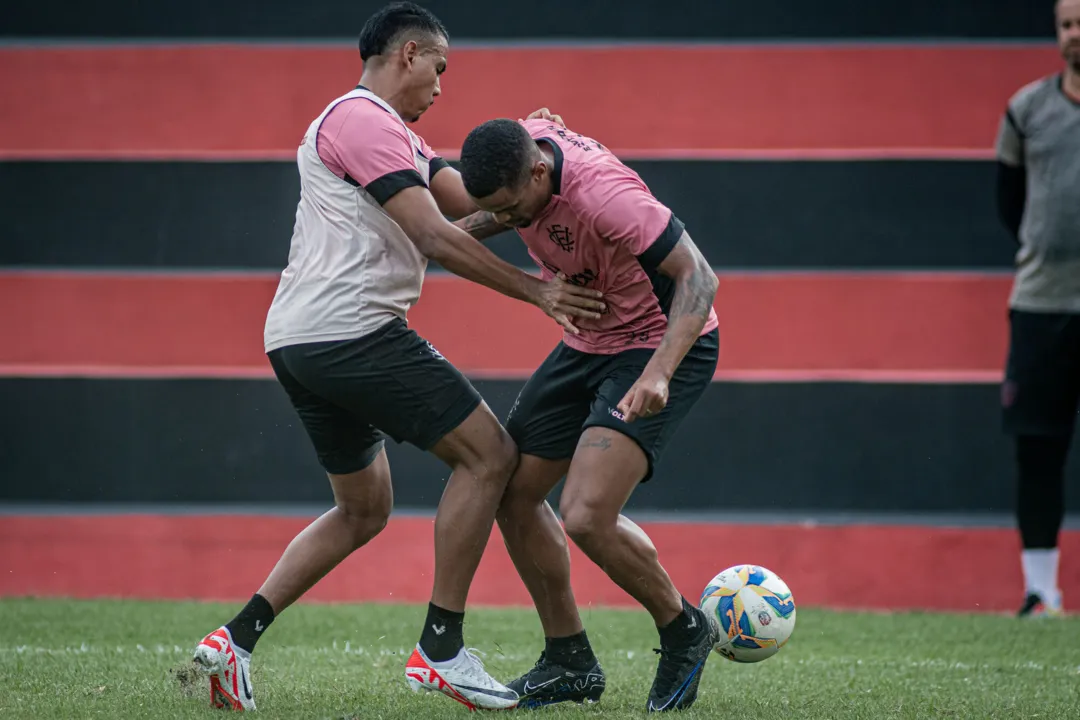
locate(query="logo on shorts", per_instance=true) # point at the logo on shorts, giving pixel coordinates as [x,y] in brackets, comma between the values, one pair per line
[434,352]
[616,414]
[561,236]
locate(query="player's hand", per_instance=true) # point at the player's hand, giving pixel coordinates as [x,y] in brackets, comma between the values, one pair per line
[545,114]
[646,397]
[563,301]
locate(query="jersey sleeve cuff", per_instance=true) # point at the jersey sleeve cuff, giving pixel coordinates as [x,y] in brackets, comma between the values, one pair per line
[389,185]
[663,245]
[436,164]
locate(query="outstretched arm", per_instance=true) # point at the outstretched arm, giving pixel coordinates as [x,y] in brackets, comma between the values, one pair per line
[414,209]
[481,225]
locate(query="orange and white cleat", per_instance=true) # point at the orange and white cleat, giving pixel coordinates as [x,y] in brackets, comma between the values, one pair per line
[463,678]
[229,668]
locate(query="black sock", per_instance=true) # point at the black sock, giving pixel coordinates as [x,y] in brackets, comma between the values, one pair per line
[685,628]
[573,652]
[247,627]
[441,639]
[1040,501]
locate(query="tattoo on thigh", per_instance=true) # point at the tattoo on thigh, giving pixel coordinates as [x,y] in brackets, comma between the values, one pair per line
[601,442]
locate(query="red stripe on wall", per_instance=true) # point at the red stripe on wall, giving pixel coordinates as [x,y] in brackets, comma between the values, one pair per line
[218,101]
[166,557]
[812,326]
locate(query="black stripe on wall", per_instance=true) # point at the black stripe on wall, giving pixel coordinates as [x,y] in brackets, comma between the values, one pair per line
[755,447]
[743,214]
[498,19]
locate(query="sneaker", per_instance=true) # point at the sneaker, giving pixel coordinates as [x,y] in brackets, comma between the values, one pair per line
[463,678]
[229,668]
[549,683]
[680,668]
[1035,607]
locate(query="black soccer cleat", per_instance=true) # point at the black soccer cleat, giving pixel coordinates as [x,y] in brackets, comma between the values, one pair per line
[1035,607]
[680,668]
[548,683]
[1031,602]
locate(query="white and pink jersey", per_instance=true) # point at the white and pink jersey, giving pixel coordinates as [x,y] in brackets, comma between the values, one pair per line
[604,229]
[351,267]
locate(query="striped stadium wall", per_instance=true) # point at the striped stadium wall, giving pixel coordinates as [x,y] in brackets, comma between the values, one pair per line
[558,19]
[847,207]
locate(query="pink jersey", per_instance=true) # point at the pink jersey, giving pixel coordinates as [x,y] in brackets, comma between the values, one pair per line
[362,143]
[604,229]
[351,267]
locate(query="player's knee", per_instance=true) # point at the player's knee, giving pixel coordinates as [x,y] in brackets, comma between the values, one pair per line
[496,464]
[521,495]
[366,520]
[585,523]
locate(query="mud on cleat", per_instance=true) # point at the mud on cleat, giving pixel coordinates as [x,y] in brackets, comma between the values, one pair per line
[229,669]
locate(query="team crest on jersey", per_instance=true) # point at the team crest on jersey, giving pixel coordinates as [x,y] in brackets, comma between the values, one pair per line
[562,237]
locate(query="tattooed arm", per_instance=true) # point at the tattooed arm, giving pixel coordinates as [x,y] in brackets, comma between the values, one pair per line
[695,290]
[481,225]
[454,202]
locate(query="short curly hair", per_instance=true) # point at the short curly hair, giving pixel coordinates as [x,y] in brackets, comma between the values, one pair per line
[392,21]
[495,155]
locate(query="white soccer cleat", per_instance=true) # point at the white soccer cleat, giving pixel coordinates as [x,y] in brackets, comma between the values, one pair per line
[463,678]
[229,668]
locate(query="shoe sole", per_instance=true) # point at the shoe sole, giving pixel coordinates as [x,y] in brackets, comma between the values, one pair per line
[527,703]
[418,684]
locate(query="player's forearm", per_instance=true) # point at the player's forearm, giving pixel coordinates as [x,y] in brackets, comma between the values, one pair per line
[459,254]
[481,225]
[690,308]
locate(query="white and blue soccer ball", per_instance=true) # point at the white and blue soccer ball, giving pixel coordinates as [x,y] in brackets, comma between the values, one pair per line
[754,611]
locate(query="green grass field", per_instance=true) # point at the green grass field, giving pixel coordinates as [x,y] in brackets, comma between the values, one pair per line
[113,659]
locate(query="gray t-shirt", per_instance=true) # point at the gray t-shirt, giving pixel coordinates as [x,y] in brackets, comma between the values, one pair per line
[1041,133]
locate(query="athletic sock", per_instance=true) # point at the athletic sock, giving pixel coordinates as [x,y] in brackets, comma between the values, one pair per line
[442,637]
[248,626]
[684,629]
[573,652]
[1041,574]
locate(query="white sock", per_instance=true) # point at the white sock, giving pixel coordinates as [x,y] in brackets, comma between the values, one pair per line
[1041,575]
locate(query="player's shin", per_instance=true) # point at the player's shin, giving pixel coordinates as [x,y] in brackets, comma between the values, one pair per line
[536,543]
[623,551]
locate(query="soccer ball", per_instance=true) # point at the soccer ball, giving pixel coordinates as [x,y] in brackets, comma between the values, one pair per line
[754,611]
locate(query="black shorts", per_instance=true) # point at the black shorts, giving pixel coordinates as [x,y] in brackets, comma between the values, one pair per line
[1041,392]
[349,393]
[572,390]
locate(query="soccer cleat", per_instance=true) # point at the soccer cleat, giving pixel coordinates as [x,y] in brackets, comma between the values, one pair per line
[680,668]
[229,668]
[1035,607]
[463,678]
[549,683]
